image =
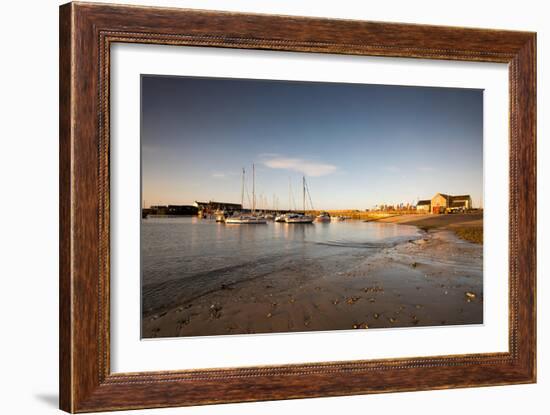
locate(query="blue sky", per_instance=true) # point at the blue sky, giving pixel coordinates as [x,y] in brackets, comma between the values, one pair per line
[358,145]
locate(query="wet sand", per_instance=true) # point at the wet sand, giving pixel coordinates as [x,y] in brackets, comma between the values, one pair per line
[435,280]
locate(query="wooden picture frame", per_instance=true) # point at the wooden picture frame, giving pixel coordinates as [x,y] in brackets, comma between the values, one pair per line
[86,33]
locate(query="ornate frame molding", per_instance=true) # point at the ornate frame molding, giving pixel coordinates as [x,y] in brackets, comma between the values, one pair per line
[86,33]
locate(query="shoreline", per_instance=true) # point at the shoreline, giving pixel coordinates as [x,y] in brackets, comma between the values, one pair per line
[433,280]
[467,226]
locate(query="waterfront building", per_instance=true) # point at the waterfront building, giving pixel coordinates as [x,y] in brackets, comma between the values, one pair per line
[444,203]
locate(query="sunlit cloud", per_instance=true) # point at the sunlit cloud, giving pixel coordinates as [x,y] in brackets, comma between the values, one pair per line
[306,167]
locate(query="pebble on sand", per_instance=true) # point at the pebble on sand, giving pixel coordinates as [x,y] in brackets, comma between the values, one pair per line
[352,300]
[215,311]
[470,296]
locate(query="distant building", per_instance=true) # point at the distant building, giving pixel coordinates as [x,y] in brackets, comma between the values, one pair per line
[424,206]
[182,210]
[462,202]
[210,207]
[175,210]
[442,203]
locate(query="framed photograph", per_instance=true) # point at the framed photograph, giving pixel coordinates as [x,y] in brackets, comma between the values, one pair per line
[258,207]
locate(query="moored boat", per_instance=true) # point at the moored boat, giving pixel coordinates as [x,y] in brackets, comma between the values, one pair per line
[299,218]
[281,218]
[323,217]
[253,218]
[243,220]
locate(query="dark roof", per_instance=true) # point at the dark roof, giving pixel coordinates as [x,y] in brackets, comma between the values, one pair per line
[461,197]
[212,202]
[181,206]
[443,194]
[424,202]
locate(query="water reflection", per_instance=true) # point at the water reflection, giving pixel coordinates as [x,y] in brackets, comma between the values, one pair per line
[176,248]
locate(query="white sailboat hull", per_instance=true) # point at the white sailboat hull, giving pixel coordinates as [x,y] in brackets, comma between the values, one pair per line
[299,219]
[245,220]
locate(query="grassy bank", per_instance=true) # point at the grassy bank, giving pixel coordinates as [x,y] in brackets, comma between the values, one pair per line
[472,234]
[467,226]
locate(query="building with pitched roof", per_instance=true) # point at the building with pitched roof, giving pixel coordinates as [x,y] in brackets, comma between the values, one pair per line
[444,203]
[424,206]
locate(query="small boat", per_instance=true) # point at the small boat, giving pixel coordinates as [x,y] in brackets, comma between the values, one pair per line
[299,218]
[323,217]
[253,218]
[337,218]
[244,220]
[281,218]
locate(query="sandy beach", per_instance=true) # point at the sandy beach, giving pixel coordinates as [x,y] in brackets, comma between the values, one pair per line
[433,280]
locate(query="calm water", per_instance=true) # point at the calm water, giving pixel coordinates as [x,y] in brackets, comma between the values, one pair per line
[186,257]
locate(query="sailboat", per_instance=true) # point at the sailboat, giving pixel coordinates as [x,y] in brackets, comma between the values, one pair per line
[299,217]
[247,219]
[281,217]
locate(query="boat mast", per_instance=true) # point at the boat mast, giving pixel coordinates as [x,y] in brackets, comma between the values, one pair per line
[289,190]
[304,193]
[253,188]
[242,190]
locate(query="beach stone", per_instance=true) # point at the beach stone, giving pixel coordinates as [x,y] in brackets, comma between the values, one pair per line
[352,300]
[470,296]
[215,311]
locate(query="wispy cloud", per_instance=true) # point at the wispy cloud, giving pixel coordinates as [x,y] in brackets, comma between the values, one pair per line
[426,169]
[304,166]
[217,175]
